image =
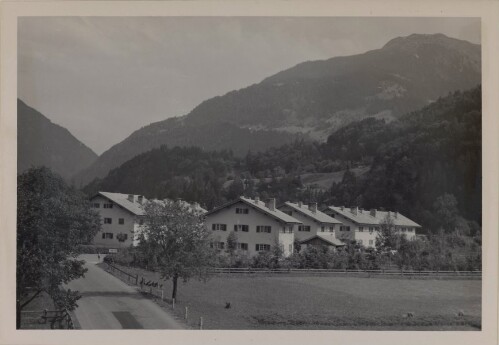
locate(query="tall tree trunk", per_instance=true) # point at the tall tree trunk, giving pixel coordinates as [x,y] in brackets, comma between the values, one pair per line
[175,280]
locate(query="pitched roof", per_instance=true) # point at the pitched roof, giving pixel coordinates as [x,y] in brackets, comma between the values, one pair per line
[318,216]
[261,206]
[365,216]
[122,199]
[195,208]
[327,237]
[138,208]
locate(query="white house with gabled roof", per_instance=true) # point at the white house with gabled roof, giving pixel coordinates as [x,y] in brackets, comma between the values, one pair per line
[363,226]
[120,214]
[313,222]
[258,226]
[123,214]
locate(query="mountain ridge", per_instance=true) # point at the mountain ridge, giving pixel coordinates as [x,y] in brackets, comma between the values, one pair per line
[313,99]
[40,142]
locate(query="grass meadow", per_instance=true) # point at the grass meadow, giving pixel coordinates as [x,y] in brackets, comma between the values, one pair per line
[325,302]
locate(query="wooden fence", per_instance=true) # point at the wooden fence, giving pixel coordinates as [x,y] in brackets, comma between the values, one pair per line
[117,271]
[58,319]
[318,271]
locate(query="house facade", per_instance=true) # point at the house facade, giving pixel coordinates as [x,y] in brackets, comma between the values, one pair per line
[121,216]
[363,226]
[258,226]
[313,221]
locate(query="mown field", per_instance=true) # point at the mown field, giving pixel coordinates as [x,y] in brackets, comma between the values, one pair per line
[326,302]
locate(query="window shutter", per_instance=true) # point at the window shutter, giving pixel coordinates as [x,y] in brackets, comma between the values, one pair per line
[103,235]
[256,247]
[212,226]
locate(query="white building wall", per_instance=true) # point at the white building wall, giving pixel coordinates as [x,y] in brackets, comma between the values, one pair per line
[114,213]
[315,226]
[365,234]
[254,218]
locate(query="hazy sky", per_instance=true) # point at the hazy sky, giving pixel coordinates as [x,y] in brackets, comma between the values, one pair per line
[104,77]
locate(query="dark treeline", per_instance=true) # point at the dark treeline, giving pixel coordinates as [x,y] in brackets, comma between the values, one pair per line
[426,165]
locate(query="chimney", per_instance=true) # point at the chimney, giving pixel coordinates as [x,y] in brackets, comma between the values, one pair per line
[396,214]
[140,199]
[354,210]
[313,207]
[300,204]
[271,204]
[373,212]
[130,197]
[257,199]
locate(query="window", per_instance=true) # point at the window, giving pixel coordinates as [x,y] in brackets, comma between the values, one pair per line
[96,205]
[239,227]
[107,235]
[371,242]
[241,210]
[221,227]
[286,228]
[108,205]
[323,228]
[371,229]
[304,228]
[242,246]
[262,247]
[141,221]
[125,237]
[361,229]
[121,221]
[217,245]
[331,228]
[108,221]
[410,229]
[264,228]
[344,228]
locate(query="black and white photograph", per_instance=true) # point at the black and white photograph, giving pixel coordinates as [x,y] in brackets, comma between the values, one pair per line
[191,173]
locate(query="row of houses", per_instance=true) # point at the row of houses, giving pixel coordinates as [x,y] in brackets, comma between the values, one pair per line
[258,225]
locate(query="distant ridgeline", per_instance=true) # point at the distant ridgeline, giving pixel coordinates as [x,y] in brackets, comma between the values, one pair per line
[312,100]
[425,161]
[43,143]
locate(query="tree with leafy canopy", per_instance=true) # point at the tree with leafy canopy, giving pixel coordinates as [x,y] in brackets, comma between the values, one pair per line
[387,237]
[53,219]
[445,207]
[179,240]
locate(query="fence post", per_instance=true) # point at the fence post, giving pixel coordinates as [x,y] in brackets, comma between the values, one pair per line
[173,303]
[162,294]
[136,279]
[45,315]
[200,322]
[186,312]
